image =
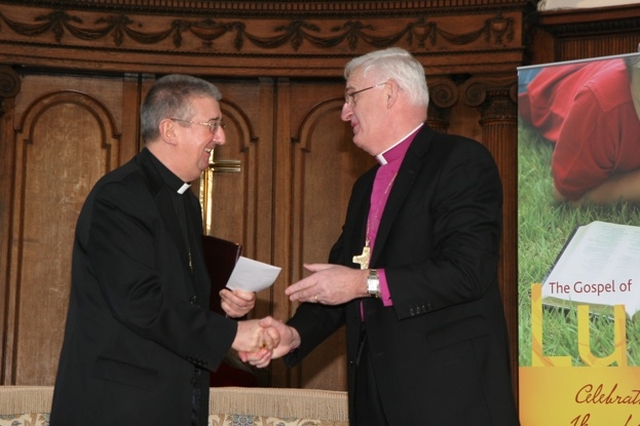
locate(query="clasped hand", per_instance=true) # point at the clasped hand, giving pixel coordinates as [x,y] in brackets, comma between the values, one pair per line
[271,338]
[283,339]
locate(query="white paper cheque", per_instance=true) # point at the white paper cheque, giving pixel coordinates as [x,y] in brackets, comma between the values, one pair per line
[251,275]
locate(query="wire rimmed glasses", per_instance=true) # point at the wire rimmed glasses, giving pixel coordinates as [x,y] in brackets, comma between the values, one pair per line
[212,125]
[350,97]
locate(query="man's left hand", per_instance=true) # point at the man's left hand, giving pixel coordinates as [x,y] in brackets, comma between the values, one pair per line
[237,303]
[329,284]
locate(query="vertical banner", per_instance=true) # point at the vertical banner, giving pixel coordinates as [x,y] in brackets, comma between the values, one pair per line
[579,242]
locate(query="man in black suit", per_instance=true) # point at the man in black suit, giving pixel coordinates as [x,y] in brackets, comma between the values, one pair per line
[414,273]
[140,338]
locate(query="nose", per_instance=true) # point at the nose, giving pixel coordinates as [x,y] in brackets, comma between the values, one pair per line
[347,112]
[220,137]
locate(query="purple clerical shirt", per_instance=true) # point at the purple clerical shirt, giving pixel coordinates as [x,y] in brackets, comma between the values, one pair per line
[390,161]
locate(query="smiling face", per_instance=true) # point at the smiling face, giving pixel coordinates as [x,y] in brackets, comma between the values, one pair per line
[366,111]
[194,141]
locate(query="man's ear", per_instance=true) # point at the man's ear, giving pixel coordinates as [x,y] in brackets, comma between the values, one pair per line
[392,91]
[168,131]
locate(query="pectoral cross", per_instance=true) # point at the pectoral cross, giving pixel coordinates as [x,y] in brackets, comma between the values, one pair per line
[363,258]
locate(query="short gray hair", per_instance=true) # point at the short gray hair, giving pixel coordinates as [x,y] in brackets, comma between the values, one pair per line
[397,64]
[170,97]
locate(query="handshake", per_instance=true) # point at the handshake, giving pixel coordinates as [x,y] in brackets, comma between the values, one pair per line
[257,341]
[260,341]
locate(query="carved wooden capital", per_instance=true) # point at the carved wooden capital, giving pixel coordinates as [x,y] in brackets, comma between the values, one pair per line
[9,85]
[443,94]
[496,96]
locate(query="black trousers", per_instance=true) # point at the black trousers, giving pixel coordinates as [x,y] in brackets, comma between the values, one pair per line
[368,406]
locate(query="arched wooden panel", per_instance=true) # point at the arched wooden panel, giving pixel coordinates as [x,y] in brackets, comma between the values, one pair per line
[223,187]
[325,165]
[66,141]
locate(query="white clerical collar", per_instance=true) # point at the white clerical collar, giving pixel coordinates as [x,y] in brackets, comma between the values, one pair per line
[380,157]
[184,188]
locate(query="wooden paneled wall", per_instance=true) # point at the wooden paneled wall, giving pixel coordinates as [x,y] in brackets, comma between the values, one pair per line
[564,35]
[72,75]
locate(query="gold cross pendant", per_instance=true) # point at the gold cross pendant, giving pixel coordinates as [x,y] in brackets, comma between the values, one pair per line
[363,258]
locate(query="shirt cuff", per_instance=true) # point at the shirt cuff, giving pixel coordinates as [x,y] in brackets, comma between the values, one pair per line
[385,295]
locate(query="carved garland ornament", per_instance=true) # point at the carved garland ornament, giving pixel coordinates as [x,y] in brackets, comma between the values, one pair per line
[497,30]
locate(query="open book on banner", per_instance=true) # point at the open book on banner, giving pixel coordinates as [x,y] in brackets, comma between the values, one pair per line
[600,267]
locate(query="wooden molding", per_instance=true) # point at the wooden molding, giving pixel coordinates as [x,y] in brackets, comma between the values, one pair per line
[277,9]
[593,21]
[585,33]
[314,38]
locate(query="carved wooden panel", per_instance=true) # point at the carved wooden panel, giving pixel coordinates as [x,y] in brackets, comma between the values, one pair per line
[286,198]
[64,141]
[234,171]
[317,165]
[290,38]
[236,193]
[564,35]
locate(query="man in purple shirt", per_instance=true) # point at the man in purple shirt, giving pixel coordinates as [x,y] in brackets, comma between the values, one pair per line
[413,275]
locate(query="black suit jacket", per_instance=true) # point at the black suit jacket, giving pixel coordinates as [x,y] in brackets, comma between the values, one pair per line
[440,353]
[139,338]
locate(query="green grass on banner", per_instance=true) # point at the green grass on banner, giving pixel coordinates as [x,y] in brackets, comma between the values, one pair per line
[543,228]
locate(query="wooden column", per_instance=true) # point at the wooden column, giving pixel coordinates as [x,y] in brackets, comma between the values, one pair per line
[496,96]
[9,88]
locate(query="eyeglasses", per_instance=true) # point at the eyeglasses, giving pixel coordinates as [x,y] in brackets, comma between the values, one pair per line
[350,98]
[213,125]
